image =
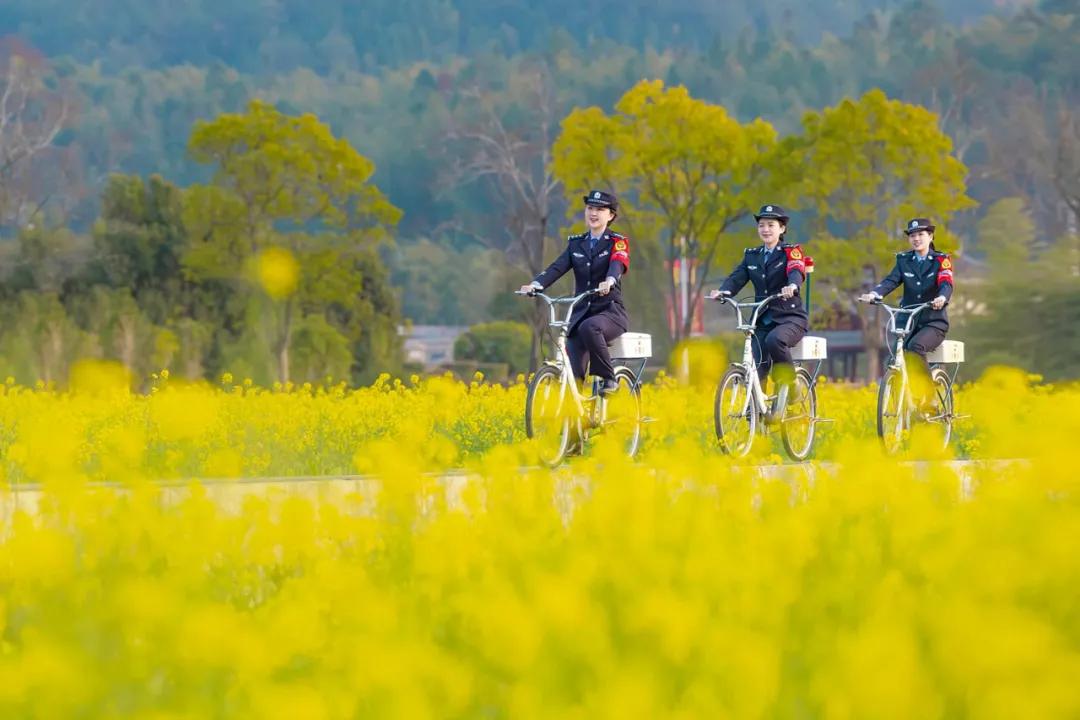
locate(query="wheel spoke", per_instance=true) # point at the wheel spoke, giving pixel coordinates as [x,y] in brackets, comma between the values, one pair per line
[734,417]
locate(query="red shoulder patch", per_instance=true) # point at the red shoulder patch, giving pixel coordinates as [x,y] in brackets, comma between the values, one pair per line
[795,259]
[621,251]
[945,270]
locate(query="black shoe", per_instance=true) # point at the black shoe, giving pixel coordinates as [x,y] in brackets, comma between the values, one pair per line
[609,386]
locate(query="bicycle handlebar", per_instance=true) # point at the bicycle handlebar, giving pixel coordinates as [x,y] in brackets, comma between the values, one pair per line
[570,300]
[566,299]
[740,306]
[722,299]
[895,310]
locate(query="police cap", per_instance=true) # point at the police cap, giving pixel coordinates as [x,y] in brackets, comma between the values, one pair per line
[599,198]
[917,224]
[772,212]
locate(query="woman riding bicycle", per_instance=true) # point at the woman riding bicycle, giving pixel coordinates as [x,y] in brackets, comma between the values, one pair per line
[774,267]
[927,276]
[599,259]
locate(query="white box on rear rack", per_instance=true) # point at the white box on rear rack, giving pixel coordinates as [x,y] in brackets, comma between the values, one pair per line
[631,345]
[810,347]
[949,351]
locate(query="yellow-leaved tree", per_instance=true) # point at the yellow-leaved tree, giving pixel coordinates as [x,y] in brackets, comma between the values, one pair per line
[867,166]
[288,208]
[685,172]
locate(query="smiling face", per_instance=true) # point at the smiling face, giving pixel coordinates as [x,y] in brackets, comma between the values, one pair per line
[920,241]
[769,230]
[598,218]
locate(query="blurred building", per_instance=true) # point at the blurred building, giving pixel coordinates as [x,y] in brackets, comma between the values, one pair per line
[430,345]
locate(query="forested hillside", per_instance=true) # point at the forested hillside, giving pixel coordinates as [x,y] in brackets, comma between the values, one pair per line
[411,86]
[282,35]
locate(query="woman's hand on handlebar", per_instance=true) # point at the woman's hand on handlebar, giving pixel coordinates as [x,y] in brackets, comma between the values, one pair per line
[528,289]
[869,297]
[938,302]
[718,295]
[788,291]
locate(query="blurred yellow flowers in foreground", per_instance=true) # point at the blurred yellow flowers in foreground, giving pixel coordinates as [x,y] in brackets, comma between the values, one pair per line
[682,585]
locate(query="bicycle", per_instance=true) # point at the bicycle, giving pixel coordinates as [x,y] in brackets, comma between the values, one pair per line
[740,399]
[897,410]
[554,407]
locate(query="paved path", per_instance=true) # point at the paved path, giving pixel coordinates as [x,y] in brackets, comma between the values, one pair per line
[360,492]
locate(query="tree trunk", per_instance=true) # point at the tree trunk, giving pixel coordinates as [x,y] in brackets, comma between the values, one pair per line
[54,356]
[871,337]
[127,342]
[285,341]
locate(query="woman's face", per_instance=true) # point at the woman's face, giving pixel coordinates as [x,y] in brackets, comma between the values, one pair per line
[769,230]
[920,241]
[597,218]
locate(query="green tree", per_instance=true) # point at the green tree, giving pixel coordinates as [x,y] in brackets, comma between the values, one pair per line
[139,240]
[46,338]
[279,182]
[868,165]
[686,172]
[1006,237]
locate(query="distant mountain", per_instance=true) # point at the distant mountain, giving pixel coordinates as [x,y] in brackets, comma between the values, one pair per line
[280,35]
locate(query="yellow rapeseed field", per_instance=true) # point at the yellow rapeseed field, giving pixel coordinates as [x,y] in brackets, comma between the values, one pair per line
[679,585]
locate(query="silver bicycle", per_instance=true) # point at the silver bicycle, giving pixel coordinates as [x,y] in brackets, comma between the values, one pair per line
[741,406]
[898,410]
[559,416]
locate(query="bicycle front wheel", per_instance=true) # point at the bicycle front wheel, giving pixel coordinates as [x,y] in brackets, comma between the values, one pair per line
[734,413]
[798,424]
[891,424]
[621,424]
[548,411]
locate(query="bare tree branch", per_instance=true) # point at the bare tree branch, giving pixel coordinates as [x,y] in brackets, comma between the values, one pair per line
[31,116]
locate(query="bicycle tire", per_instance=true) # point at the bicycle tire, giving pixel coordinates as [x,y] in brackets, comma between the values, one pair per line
[799,424]
[547,415]
[734,413]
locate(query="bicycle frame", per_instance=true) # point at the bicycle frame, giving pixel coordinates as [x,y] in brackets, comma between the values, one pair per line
[898,363]
[750,330]
[562,357]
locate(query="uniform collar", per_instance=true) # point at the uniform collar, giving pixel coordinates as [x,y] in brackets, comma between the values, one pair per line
[586,236]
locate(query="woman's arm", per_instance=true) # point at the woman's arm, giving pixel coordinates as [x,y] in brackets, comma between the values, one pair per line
[737,279]
[945,276]
[555,270]
[892,281]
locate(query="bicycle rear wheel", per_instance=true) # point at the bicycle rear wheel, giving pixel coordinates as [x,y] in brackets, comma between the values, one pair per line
[734,413]
[549,408]
[621,423]
[891,422]
[798,424]
[941,412]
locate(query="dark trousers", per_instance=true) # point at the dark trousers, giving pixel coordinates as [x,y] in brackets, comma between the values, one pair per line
[772,346]
[590,341]
[923,341]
